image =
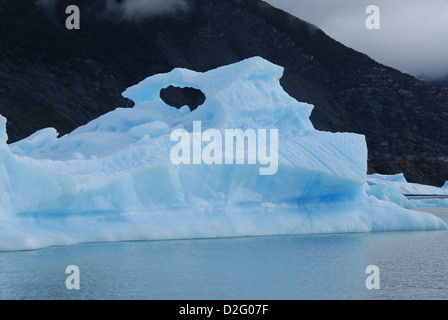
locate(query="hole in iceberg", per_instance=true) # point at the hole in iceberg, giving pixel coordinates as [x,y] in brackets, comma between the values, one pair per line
[178,97]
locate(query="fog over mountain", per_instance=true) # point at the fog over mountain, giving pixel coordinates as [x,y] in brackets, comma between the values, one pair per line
[413,36]
[132,10]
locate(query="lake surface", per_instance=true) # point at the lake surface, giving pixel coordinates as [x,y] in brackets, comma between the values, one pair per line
[413,265]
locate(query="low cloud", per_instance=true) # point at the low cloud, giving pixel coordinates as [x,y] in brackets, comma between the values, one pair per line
[135,10]
[132,10]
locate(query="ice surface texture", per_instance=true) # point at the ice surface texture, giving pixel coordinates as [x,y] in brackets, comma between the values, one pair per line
[400,184]
[394,187]
[113,179]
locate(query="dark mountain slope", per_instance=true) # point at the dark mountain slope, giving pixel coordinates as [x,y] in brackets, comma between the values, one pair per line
[51,76]
[443,82]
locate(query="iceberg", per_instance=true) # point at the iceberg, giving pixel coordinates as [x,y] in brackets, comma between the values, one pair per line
[401,185]
[394,188]
[388,193]
[113,179]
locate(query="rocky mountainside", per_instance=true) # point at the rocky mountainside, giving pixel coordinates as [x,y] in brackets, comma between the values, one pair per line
[443,82]
[51,76]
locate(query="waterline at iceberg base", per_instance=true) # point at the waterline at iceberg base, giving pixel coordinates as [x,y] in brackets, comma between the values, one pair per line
[113,178]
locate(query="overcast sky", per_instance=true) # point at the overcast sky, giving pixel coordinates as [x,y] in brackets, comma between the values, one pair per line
[413,35]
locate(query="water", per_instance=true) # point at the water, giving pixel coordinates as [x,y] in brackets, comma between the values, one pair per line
[412,266]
